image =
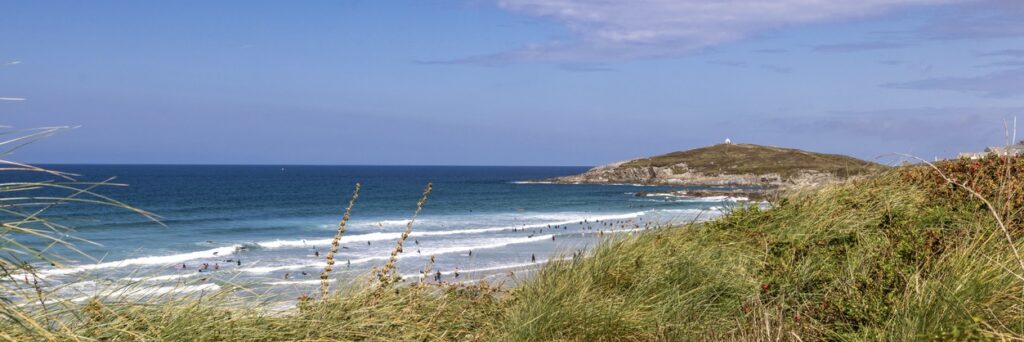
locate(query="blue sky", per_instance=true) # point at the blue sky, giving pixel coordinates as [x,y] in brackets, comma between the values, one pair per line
[515,82]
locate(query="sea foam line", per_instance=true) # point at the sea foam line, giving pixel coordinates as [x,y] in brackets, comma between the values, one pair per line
[145,261]
[424,253]
[377,236]
[172,259]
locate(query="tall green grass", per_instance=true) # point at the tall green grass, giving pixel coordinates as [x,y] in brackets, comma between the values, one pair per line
[906,255]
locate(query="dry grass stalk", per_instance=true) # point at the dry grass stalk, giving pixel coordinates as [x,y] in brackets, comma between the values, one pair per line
[324,283]
[426,270]
[384,273]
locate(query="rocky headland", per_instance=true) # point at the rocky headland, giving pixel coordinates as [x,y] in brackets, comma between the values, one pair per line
[756,167]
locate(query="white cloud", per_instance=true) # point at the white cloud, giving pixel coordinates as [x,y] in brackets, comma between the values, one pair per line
[1003,83]
[12,99]
[607,30]
[12,63]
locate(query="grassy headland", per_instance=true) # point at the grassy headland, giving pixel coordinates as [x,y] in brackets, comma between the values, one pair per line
[904,255]
[757,159]
[730,164]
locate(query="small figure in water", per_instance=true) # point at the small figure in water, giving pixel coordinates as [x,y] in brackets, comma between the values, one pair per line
[316,252]
[348,263]
[533,257]
[216,266]
[456,273]
[470,252]
[552,238]
[367,243]
[437,276]
[239,262]
[183,266]
[286,276]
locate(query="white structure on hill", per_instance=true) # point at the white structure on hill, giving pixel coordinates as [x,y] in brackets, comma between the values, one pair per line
[727,141]
[1015,150]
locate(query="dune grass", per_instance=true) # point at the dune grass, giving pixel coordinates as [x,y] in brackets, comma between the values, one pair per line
[906,255]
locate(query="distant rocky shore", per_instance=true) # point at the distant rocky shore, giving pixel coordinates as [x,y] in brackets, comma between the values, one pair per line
[762,168]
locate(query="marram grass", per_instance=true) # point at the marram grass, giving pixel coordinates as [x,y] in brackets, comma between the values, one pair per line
[900,256]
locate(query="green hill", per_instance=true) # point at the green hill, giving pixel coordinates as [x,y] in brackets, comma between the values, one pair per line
[757,159]
[730,164]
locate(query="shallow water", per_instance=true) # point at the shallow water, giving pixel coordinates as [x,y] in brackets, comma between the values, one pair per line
[263,226]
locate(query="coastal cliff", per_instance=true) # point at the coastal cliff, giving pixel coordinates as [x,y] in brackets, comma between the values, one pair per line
[729,165]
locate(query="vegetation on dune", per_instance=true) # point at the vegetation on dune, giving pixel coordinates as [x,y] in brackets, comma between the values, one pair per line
[756,159]
[905,255]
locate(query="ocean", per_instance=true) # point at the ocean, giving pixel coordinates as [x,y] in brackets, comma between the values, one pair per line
[269,227]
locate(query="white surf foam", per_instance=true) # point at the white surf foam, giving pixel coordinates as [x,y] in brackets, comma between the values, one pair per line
[298,282]
[423,253]
[393,222]
[379,236]
[685,198]
[145,261]
[553,219]
[167,277]
[532,182]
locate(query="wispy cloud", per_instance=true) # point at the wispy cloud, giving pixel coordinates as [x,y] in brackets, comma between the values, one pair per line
[585,68]
[857,47]
[979,20]
[771,50]
[736,64]
[739,64]
[1015,53]
[1016,58]
[776,68]
[11,63]
[919,128]
[12,99]
[1014,63]
[1003,83]
[605,31]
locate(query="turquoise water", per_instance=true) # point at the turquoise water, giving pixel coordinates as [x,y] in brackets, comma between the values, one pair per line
[269,227]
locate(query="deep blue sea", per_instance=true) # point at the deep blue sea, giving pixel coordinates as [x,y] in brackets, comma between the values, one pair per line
[269,227]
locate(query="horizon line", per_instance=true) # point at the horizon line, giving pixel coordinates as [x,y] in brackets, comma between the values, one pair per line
[265,164]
